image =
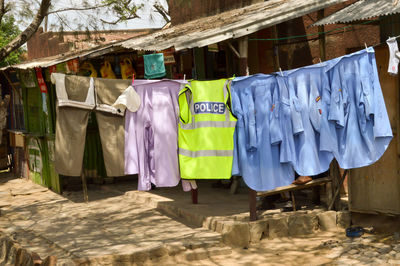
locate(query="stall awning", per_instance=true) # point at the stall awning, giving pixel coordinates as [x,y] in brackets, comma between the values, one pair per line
[201,32]
[361,10]
[61,58]
[227,25]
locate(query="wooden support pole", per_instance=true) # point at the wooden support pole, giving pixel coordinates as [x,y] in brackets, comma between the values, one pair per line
[84,186]
[243,51]
[293,201]
[337,192]
[322,40]
[277,64]
[253,204]
[195,195]
[316,197]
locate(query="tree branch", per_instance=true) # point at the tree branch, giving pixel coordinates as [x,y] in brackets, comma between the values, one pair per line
[160,9]
[119,19]
[24,36]
[76,9]
[4,8]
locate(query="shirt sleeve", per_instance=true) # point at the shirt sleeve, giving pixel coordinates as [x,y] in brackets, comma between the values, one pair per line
[275,129]
[336,109]
[328,141]
[250,123]
[297,122]
[236,111]
[236,171]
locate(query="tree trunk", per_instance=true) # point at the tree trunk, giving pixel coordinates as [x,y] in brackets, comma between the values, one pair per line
[24,36]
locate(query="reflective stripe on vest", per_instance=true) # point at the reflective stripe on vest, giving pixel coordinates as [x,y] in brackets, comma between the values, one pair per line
[194,154]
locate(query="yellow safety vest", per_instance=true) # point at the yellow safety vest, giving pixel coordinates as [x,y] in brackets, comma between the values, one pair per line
[206,130]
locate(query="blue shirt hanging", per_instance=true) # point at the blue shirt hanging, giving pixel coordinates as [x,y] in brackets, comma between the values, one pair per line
[258,136]
[361,127]
[303,87]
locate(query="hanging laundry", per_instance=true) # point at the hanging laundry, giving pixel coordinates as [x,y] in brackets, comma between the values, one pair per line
[258,137]
[206,130]
[393,67]
[111,123]
[72,120]
[76,95]
[128,99]
[361,130]
[156,124]
[154,66]
[62,96]
[131,150]
[304,88]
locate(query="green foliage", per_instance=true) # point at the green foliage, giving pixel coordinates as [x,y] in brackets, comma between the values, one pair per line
[8,31]
[123,9]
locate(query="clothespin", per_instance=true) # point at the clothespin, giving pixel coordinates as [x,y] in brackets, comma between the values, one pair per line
[320,60]
[133,78]
[366,47]
[184,77]
[280,69]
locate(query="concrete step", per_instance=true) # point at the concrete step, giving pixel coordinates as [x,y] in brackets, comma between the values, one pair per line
[35,243]
[206,253]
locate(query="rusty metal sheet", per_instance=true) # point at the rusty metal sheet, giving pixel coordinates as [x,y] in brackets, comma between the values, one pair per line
[227,25]
[361,10]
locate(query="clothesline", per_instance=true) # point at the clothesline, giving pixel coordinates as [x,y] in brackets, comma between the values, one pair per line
[375,45]
[311,34]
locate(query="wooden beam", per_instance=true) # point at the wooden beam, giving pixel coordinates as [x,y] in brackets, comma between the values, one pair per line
[233,49]
[278,190]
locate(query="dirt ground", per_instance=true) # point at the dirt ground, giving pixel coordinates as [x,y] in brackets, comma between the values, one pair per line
[115,229]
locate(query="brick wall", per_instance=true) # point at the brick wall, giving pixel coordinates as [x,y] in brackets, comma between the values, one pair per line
[43,44]
[343,40]
[186,10]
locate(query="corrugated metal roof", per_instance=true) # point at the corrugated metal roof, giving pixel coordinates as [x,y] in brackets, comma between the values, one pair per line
[227,25]
[201,32]
[361,10]
[61,58]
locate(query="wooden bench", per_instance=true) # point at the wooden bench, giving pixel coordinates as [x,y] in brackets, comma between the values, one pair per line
[289,188]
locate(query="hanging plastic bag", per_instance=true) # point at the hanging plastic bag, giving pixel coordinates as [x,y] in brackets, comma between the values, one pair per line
[127,69]
[154,66]
[87,69]
[106,71]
